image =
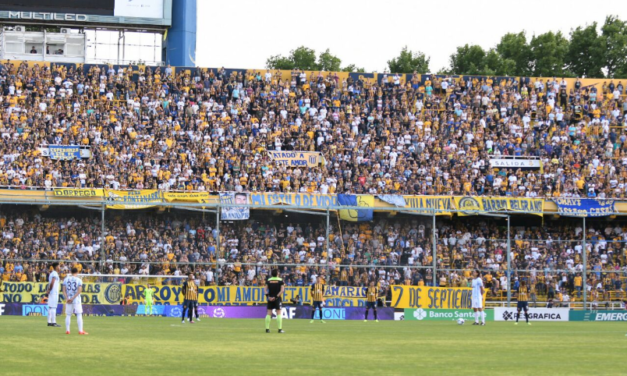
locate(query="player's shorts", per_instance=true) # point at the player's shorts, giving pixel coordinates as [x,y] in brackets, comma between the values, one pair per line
[477,303]
[74,308]
[275,304]
[317,305]
[148,302]
[189,304]
[53,301]
[372,305]
[523,305]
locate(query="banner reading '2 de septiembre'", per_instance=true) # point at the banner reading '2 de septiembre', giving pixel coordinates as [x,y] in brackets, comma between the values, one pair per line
[296,158]
[431,297]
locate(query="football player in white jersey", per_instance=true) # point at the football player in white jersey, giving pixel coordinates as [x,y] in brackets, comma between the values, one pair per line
[477,297]
[54,285]
[72,288]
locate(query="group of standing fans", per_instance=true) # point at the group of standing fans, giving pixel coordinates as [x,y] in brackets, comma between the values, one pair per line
[209,130]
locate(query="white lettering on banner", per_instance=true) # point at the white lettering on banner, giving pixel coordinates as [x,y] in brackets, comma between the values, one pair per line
[614,316]
[1,309]
[515,163]
[286,313]
[535,314]
[45,16]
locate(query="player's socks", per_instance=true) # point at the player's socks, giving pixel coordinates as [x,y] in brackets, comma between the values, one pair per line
[268,320]
[49,317]
[79,320]
[527,317]
[313,314]
[68,319]
[482,313]
[279,321]
[376,317]
[476,318]
[366,318]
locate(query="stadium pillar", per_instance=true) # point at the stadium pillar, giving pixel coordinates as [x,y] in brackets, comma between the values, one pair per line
[584,278]
[180,42]
[218,231]
[509,263]
[102,238]
[435,247]
[328,232]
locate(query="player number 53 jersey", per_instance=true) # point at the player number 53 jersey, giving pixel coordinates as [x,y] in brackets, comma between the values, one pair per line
[72,284]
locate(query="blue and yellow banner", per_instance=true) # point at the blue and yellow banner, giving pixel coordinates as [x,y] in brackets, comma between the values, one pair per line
[78,192]
[244,295]
[186,196]
[442,205]
[585,207]
[297,158]
[132,199]
[307,200]
[31,292]
[356,215]
[64,152]
[475,205]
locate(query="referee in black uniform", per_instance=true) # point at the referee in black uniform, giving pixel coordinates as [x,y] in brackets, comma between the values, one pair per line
[190,293]
[274,292]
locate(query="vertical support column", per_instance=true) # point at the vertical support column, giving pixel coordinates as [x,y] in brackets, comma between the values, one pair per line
[218,229]
[435,247]
[509,263]
[584,278]
[328,234]
[103,255]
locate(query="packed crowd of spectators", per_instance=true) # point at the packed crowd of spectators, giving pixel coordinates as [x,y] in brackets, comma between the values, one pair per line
[392,251]
[209,130]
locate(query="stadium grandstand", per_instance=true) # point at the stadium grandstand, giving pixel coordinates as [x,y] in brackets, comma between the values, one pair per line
[131,169]
[141,193]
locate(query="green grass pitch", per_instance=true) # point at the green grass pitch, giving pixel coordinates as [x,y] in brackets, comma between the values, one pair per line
[162,346]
